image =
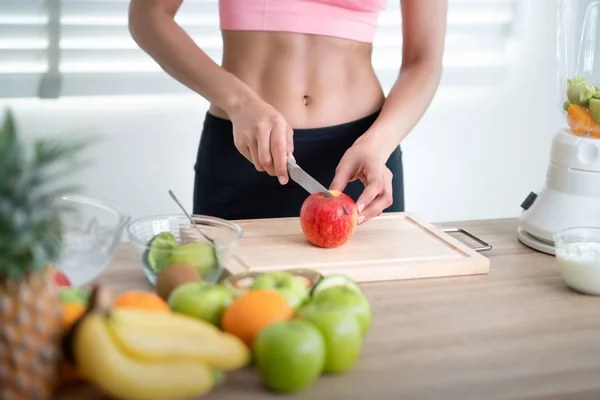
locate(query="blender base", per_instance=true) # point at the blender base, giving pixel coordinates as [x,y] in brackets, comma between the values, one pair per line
[537,244]
[571,195]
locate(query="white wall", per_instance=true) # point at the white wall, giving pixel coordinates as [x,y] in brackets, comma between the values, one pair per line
[476,154]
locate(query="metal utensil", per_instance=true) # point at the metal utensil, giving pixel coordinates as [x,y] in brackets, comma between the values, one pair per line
[310,184]
[200,231]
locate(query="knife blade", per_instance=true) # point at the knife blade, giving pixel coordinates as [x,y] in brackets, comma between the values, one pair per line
[310,184]
[302,178]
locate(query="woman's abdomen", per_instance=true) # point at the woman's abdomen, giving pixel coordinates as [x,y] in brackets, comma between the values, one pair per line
[313,81]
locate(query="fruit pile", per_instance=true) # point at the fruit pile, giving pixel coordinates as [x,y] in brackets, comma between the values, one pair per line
[296,324]
[583,108]
[133,346]
[324,335]
[180,341]
[164,250]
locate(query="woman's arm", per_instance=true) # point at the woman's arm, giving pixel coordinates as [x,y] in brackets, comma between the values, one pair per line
[153,27]
[423,32]
[261,134]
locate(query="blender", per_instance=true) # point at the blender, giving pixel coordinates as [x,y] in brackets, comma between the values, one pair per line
[571,195]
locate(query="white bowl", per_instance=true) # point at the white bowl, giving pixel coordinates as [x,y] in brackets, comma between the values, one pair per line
[578,253]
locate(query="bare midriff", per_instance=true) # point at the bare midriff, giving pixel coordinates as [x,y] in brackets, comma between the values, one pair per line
[313,81]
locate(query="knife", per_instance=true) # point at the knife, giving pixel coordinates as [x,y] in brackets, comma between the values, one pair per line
[310,184]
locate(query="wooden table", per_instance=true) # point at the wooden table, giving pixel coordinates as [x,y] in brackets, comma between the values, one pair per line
[516,333]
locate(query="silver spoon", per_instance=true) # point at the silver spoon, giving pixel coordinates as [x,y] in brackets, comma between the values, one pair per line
[200,231]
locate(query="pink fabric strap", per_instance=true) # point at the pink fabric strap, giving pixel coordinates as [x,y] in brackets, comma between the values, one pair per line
[300,16]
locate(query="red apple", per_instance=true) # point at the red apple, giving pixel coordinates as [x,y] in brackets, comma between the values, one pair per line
[324,222]
[60,278]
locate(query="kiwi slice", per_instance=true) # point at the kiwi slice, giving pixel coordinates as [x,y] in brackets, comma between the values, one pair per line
[159,251]
[335,280]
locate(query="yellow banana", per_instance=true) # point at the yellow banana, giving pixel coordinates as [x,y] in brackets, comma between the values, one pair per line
[167,339]
[164,322]
[102,362]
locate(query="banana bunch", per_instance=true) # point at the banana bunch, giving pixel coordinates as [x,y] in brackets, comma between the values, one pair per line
[146,355]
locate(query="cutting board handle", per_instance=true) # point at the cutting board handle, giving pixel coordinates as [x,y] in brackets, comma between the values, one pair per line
[484,246]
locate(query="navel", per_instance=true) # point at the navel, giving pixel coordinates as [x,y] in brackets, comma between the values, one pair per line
[307,100]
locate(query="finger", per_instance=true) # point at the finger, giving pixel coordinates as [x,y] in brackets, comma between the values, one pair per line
[245,151]
[290,139]
[379,204]
[264,150]
[343,174]
[290,155]
[373,188]
[242,147]
[372,210]
[253,148]
[279,152]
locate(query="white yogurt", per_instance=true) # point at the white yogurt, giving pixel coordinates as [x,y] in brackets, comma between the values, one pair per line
[579,265]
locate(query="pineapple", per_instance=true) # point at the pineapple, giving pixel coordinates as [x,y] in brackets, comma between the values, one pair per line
[30,241]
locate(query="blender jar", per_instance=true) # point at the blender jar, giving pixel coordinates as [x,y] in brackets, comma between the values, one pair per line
[579,66]
[571,195]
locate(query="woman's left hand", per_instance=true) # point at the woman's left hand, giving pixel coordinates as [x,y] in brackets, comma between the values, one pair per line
[364,162]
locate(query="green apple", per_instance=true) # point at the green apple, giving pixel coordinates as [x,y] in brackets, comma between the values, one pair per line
[201,299]
[77,295]
[335,280]
[159,251]
[200,255]
[289,355]
[342,333]
[349,300]
[288,285]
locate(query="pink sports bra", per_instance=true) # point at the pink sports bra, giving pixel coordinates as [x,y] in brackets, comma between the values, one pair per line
[349,19]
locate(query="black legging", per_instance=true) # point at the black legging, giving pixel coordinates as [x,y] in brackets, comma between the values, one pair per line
[228,186]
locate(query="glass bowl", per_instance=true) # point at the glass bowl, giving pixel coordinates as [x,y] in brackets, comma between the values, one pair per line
[92,232]
[225,234]
[577,251]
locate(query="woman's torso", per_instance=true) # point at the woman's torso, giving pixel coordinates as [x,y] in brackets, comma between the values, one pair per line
[313,81]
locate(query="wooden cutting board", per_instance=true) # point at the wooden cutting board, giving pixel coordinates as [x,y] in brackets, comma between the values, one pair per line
[390,247]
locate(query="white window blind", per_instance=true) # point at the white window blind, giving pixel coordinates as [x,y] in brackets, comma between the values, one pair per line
[52,48]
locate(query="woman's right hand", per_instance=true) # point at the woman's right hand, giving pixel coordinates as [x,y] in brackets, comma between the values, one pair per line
[263,136]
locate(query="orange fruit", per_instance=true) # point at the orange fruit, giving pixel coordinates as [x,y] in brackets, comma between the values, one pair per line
[581,122]
[141,300]
[70,313]
[253,311]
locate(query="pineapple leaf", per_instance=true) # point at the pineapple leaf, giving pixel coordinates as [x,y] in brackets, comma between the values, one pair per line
[8,131]
[32,182]
[49,151]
